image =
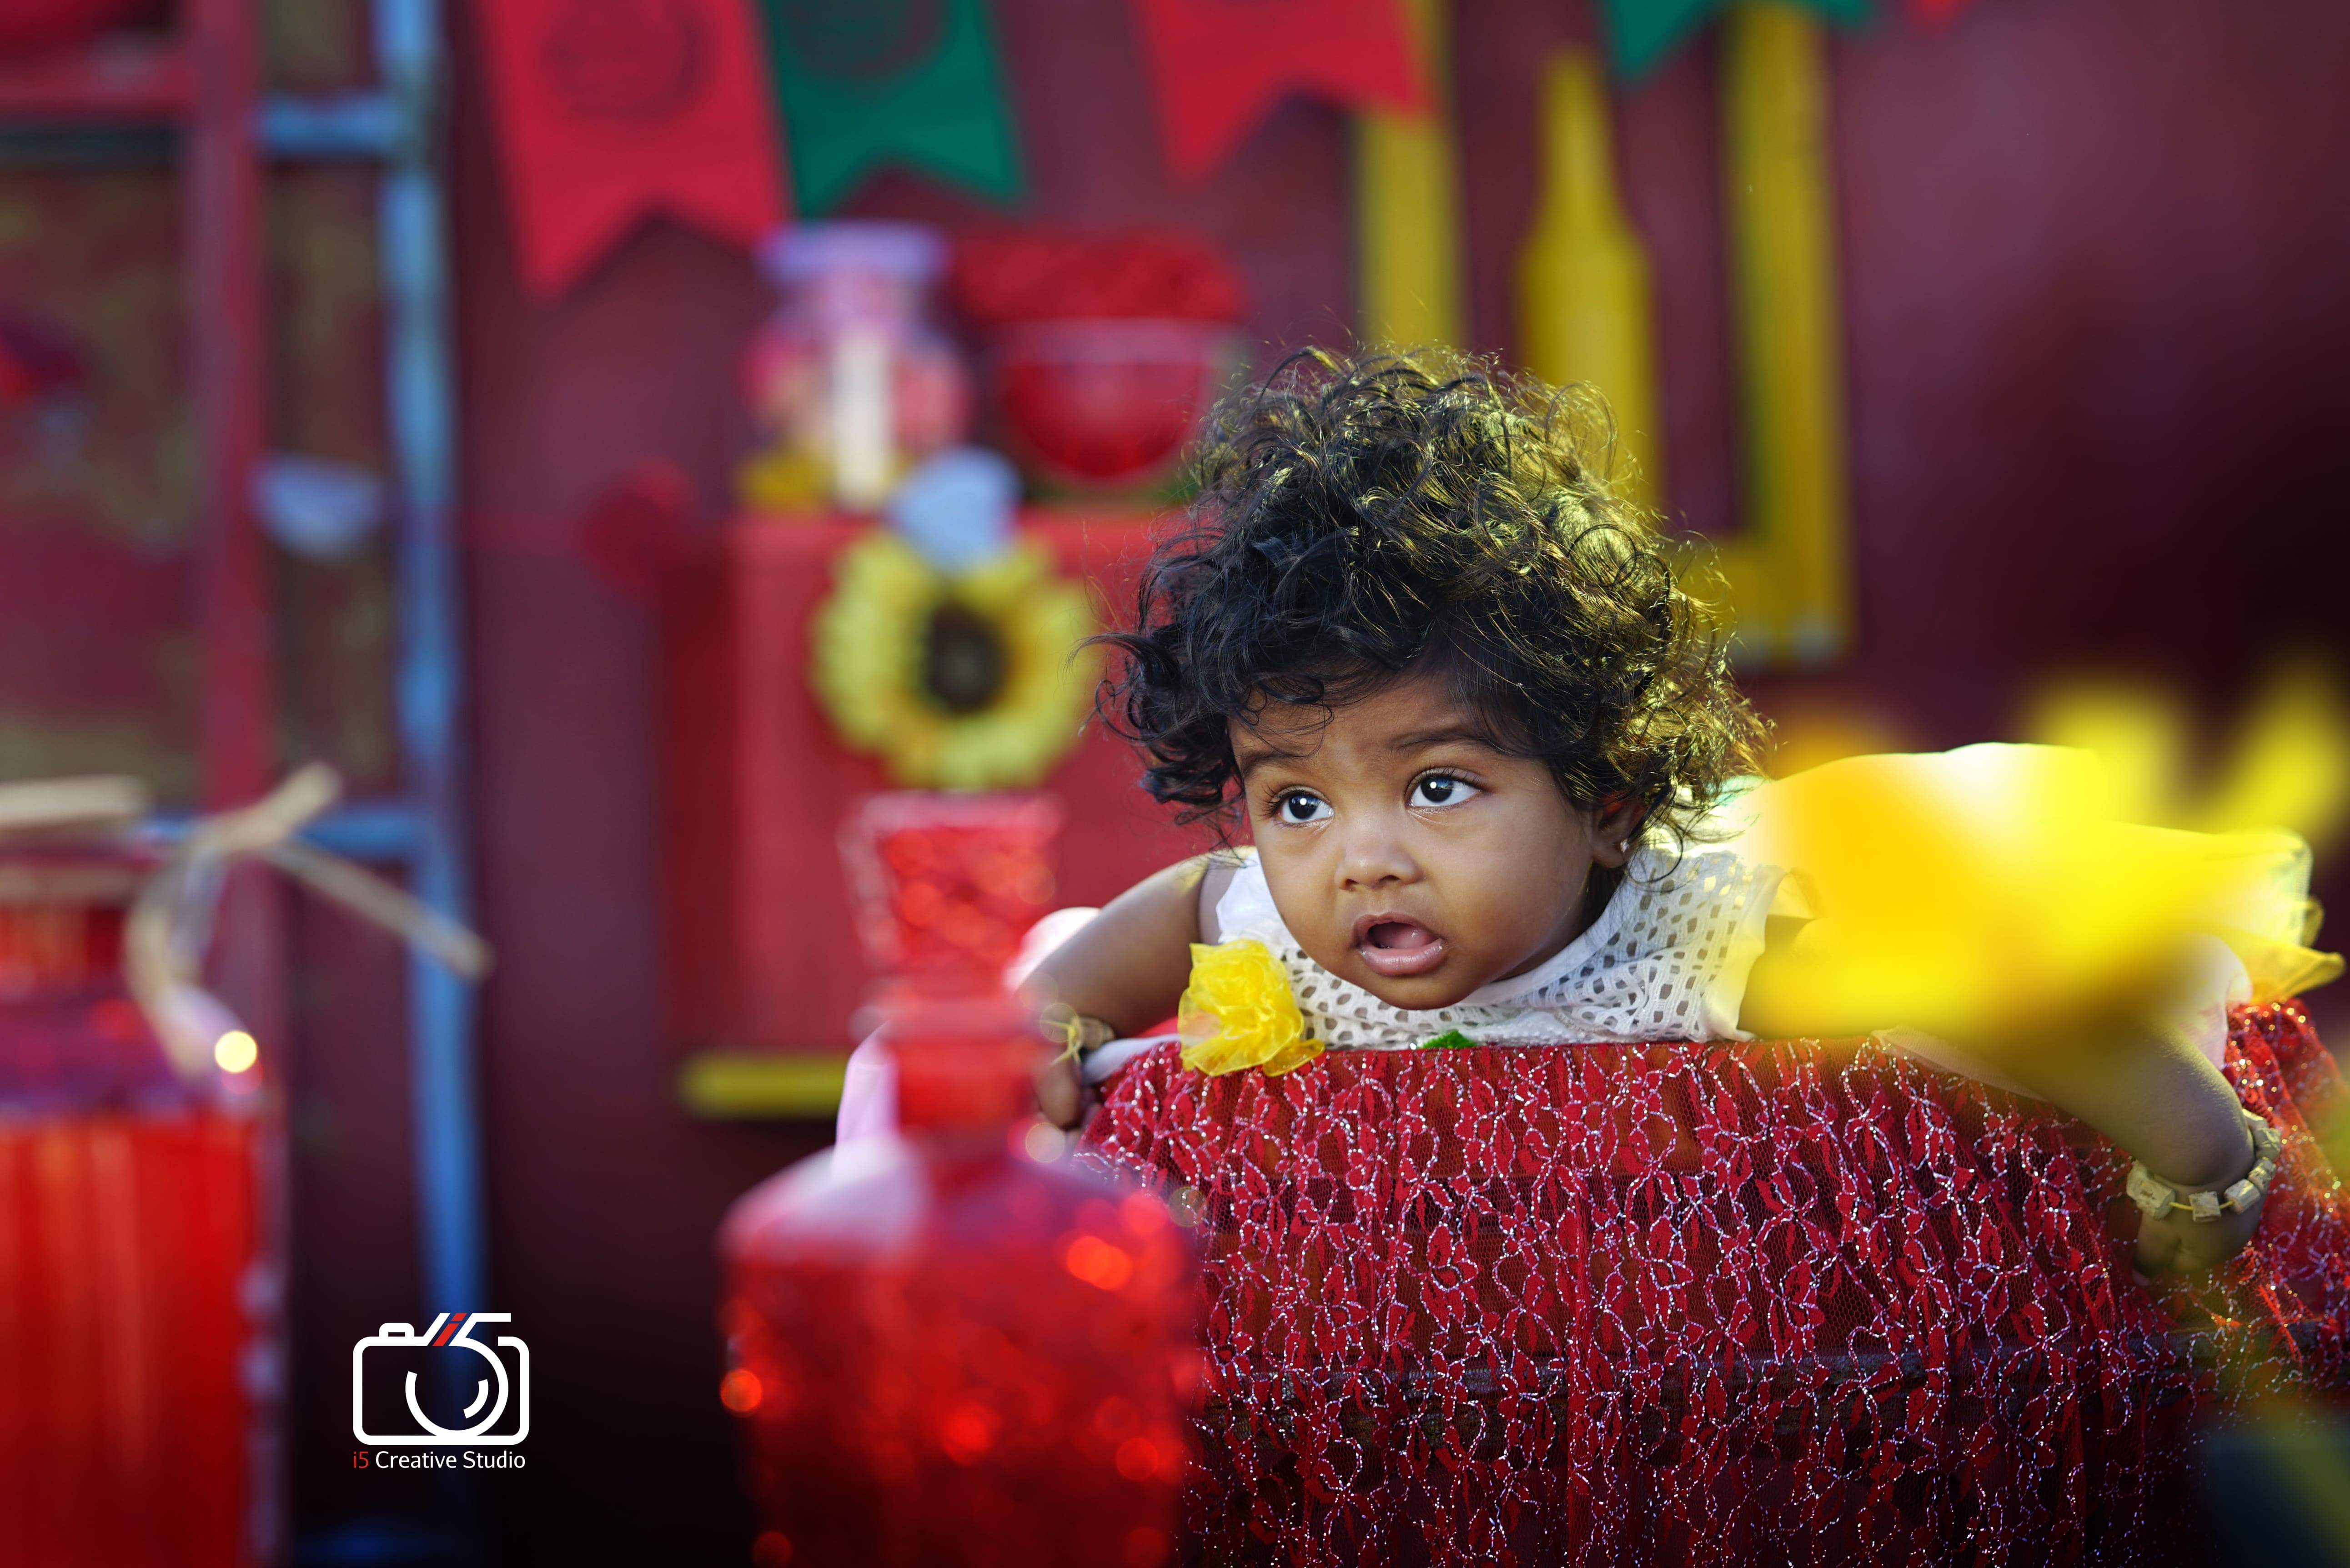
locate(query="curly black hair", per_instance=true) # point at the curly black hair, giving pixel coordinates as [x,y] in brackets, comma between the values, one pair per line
[1361,518]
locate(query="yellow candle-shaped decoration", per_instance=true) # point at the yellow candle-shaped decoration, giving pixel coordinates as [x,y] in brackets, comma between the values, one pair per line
[1583,277]
[1406,207]
[1789,573]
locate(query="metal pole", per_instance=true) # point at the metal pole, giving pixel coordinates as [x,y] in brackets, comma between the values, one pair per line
[429,694]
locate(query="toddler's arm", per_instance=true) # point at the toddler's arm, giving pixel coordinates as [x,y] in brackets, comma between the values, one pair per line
[2150,1090]
[2143,1084]
[1128,965]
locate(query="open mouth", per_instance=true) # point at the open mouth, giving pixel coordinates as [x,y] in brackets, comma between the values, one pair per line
[1397,945]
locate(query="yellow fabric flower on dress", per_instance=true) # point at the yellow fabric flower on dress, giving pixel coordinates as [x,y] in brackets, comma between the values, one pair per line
[1237,1011]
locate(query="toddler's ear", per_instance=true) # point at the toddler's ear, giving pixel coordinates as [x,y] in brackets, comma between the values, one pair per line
[1614,830]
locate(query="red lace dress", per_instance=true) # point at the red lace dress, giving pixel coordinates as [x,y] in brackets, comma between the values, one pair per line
[1667,1302]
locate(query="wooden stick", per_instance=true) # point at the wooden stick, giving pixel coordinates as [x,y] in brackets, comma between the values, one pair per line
[47,806]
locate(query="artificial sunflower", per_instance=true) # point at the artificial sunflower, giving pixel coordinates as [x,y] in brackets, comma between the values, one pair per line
[978,681]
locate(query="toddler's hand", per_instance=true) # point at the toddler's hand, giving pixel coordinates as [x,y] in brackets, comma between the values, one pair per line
[2178,1244]
[1061,1092]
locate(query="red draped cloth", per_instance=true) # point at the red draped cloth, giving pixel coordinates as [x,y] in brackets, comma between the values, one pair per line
[1784,1301]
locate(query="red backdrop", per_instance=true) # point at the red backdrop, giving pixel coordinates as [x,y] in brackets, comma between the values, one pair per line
[2091,257]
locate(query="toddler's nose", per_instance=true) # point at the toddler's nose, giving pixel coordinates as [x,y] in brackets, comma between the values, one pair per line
[1372,858]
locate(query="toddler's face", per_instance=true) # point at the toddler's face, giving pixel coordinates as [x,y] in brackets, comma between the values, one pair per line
[1409,857]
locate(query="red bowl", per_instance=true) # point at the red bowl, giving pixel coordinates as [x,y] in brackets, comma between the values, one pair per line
[26,26]
[1109,401]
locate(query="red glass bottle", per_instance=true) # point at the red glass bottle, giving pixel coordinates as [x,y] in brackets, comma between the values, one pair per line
[949,1346]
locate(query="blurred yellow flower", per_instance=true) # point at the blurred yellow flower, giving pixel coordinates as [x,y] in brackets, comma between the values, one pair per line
[1969,893]
[1238,1013]
[2290,766]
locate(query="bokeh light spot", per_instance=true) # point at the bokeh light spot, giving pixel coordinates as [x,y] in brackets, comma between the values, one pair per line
[235,1052]
[739,1391]
[968,1432]
[1044,1142]
[1097,1262]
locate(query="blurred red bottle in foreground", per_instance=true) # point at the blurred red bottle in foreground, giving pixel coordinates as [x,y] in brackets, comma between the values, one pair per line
[948,1348]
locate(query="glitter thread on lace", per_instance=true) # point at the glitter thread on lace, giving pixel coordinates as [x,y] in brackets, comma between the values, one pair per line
[1710,1304]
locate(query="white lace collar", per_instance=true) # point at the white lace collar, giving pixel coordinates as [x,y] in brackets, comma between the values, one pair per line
[1667,960]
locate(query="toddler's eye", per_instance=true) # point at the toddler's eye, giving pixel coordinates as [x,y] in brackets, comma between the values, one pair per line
[1297,806]
[1440,789]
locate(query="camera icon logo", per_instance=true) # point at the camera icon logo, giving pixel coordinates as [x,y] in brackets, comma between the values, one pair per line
[388,1409]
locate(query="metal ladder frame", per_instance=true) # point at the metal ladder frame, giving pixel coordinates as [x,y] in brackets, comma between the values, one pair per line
[202,81]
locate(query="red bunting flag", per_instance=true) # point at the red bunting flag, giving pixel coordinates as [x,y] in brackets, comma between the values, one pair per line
[1936,13]
[1218,67]
[609,110]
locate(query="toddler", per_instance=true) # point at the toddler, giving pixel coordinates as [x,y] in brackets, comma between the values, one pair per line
[1497,787]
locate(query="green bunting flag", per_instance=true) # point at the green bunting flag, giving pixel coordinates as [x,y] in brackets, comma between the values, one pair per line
[913,82]
[1641,33]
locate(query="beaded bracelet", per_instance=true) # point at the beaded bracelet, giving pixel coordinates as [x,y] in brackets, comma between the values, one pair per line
[2159,1199]
[1074,1032]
